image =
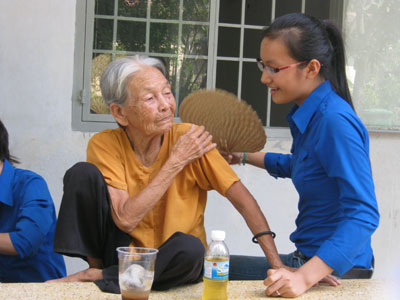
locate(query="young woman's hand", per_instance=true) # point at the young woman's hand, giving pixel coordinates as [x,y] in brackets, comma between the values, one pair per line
[232,158]
[328,279]
[331,280]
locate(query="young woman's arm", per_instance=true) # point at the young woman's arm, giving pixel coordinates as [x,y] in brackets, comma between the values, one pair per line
[6,246]
[277,164]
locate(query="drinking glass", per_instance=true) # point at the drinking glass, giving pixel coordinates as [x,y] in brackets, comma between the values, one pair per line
[136,271]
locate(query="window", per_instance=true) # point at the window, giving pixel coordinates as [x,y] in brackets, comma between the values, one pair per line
[239,28]
[373,47]
[203,43]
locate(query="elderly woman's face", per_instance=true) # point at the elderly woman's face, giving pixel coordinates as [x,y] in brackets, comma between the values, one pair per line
[151,106]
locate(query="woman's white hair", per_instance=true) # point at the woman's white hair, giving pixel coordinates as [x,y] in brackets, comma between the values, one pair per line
[118,73]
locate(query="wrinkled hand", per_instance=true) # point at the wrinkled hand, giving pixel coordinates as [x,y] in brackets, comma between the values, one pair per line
[285,283]
[192,145]
[232,158]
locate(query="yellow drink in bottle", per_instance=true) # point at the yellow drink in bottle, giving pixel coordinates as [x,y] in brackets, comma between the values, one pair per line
[216,268]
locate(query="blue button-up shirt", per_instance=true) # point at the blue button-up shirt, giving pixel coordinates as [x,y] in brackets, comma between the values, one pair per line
[27,213]
[330,168]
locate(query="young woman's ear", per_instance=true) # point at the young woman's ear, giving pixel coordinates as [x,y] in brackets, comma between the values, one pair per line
[118,114]
[313,68]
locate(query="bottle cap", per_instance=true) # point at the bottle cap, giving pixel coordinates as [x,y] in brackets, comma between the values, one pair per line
[218,235]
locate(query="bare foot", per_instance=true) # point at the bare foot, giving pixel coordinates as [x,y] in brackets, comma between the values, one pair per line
[88,275]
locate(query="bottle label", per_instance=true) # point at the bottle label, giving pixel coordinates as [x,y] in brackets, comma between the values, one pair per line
[216,269]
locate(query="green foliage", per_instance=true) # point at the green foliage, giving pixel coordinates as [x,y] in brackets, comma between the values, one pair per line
[374,47]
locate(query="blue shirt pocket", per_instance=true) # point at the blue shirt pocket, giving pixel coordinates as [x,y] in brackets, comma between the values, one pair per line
[299,167]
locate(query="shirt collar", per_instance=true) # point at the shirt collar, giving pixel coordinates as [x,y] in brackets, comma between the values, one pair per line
[301,115]
[6,183]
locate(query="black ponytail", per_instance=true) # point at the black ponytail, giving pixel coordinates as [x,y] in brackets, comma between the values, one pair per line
[4,151]
[338,63]
[308,38]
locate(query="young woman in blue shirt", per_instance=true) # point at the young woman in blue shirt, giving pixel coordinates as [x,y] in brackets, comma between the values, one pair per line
[302,61]
[27,223]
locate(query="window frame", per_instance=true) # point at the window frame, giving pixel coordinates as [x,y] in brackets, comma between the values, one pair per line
[82,119]
[80,95]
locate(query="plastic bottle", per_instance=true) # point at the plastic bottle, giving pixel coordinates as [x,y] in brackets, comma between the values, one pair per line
[216,268]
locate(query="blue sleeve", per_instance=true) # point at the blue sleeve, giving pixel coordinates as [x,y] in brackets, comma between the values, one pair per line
[343,150]
[35,217]
[278,165]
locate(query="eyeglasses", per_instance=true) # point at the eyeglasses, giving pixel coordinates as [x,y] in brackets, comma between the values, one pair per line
[272,70]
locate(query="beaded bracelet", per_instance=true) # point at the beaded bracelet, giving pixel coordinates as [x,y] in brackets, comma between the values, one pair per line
[243,158]
[254,239]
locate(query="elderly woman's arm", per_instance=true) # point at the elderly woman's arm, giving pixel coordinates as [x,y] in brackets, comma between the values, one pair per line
[245,203]
[128,211]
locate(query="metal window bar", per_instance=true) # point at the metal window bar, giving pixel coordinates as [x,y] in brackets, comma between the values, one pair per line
[148,23]
[180,57]
[115,29]
[212,43]
[269,99]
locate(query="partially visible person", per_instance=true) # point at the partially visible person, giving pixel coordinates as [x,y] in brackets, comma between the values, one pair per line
[145,184]
[27,223]
[302,61]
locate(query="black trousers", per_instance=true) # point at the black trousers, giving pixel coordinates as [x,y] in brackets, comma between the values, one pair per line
[85,228]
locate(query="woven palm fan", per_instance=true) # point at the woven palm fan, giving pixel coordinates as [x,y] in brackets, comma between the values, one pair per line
[234,125]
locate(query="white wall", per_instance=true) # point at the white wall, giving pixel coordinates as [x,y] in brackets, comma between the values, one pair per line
[36,74]
[36,66]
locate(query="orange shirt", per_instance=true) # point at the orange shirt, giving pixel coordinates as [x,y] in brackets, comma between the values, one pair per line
[182,206]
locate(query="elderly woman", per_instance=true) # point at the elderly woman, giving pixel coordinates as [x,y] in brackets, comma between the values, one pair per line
[145,184]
